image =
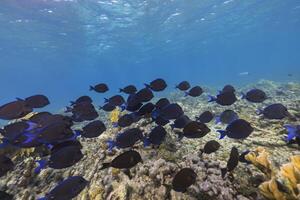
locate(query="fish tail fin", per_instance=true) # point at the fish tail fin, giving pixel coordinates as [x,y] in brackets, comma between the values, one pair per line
[259,111]
[222,134]
[92,88]
[127,172]
[147,85]
[121,90]
[77,133]
[186,94]
[218,119]
[111,144]
[42,165]
[123,107]
[105,100]
[243,95]
[146,142]
[291,132]
[179,136]
[223,172]
[211,98]
[105,166]
[72,103]
[201,152]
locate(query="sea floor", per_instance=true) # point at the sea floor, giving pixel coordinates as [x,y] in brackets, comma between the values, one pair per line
[160,165]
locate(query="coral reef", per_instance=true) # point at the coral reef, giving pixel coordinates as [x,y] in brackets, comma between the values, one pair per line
[268,178]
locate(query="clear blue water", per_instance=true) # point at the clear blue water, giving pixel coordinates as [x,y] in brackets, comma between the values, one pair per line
[60,47]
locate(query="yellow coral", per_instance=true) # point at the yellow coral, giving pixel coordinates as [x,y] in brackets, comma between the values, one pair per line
[283,184]
[114,115]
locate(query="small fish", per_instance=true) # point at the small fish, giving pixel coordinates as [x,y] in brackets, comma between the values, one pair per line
[130,89]
[238,129]
[157,85]
[67,189]
[227,117]
[146,109]
[125,161]
[125,120]
[205,117]
[116,100]
[255,96]
[195,91]
[183,86]
[181,122]
[126,139]
[5,196]
[36,101]
[144,95]
[14,110]
[84,112]
[243,74]
[108,107]
[62,156]
[100,88]
[194,129]
[160,121]
[293,132]
[184,179]
[133,103]
[228,88]
[6,165]
[232,162]
[40,117]
[224,98]
[171,111]
[274,111]
[210,147]
[81,100]
[161,103]
[156,136]
[93,129]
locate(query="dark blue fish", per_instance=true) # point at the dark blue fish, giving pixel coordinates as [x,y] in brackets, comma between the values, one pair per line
[242,158]
[146,109]
[133,103]
[156,136]
[224,98]
[210,147]
[130,89]
[108,107]
[238,129]
[228,88]
[93,129]
[14,110]
[157,85]
[227,117]
[274,111]
[194,129]
[181,122]
[37,101]
[169,112]
[232,162]
[161,103]
[194,92]
[184,179]
[125,120]
[144,95]
[62,156]
[67,189]
[183,86]
[124,161]
[116,100]
[100,88]
[126,139]
[81,100]
[255,96]
[160,121]
[293,132]
[205,117]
